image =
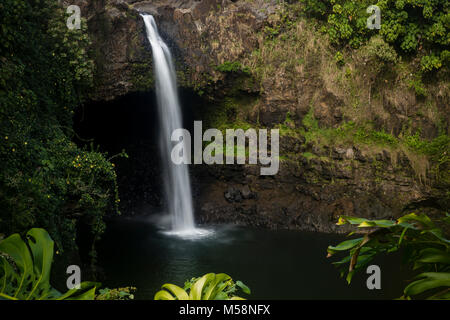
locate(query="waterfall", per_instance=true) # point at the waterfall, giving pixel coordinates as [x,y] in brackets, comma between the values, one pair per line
[176,177]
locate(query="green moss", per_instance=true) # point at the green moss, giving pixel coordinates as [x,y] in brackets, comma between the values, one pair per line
[230,113]
[375,137]
[142,76]
[348,132]
[418,87]
[308,155]
[438,150]
[234,66]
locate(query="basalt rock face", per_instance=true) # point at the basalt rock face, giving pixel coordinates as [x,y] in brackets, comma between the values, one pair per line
[202,35]
[122,58]
[287,73]
[311,193]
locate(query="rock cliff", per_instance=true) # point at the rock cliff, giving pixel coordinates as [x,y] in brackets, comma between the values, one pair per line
[345,126]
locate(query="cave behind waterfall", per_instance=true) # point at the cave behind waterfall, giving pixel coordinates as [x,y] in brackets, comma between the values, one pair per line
[130,123]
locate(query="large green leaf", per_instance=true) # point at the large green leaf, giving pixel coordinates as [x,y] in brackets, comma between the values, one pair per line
[197,287]
[85,292]
[428,281]
[41,246]
[440,235]
[216,286]
[211,286]
[244,288]
[177,291]
[422,220]
[25,269]
[433,255]
[345,245]
[351,220]
[17,251]
[425,247]
[163,295]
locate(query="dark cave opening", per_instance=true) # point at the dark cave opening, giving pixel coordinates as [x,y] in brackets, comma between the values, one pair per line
[130,123]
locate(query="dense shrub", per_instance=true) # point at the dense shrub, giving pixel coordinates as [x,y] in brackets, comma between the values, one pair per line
[408,25]
[422,241]
[235,66]
[210,286]
[377,47]
[126,293]
[46,180]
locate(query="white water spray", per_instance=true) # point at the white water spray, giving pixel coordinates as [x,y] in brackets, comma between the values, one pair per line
[176,177]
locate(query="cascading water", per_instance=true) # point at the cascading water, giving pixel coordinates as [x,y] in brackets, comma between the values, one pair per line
[176,182]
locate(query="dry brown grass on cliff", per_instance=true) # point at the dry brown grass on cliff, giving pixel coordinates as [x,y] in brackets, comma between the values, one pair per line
[419,163]
[296,51]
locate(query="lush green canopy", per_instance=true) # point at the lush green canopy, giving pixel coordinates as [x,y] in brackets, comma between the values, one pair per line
[46,180]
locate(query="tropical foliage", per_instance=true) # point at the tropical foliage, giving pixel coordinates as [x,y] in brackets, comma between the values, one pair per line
[45,73]
[424,244]
[408,25]
[25,270]
[126,293]
[211,286]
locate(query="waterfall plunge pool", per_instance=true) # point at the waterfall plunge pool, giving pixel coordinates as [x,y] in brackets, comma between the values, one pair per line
[274,264]
[134,252]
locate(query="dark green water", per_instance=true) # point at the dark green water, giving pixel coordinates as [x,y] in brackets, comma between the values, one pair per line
[274,264]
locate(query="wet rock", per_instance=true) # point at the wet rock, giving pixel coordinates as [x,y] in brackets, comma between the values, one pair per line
[328,111]
[349,154]
[233,195]
[379,156]
[316,150]
[386,155]
[246,192]
[359,155]
[338,153]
